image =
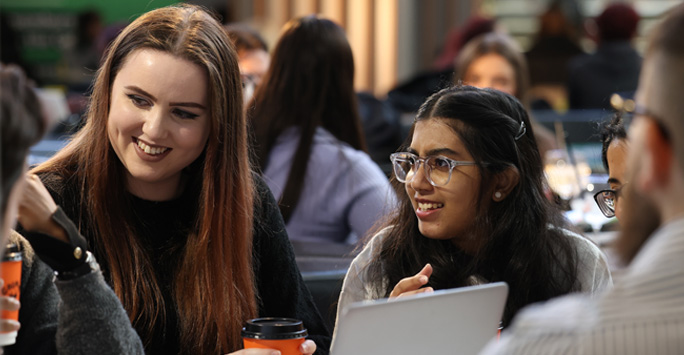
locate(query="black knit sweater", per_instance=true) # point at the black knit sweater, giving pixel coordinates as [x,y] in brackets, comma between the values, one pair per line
[164,227]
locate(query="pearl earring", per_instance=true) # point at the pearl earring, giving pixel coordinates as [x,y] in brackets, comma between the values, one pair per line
[497,194]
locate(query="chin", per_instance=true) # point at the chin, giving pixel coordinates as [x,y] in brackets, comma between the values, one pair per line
[432,233]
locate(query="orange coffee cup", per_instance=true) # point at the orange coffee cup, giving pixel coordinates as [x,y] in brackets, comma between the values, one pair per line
[284,334]
[10,272]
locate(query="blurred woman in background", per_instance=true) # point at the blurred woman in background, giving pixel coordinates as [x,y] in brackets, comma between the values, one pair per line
[308,135]
[495,61]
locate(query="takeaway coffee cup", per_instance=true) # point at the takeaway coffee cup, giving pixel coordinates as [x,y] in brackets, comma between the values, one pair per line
[10,272]
[284,334]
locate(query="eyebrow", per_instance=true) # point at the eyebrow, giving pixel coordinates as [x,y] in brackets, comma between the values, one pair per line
[614,181]
[437,151]
[184,104]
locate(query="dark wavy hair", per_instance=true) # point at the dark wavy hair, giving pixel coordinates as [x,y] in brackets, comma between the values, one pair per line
[524,242]
[310,83]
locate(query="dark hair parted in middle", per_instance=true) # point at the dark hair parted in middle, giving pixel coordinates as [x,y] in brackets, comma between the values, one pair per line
[310,83]
[523,242]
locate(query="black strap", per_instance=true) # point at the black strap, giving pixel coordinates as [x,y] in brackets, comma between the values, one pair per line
[59,255]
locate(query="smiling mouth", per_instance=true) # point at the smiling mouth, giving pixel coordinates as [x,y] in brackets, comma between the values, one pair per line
[429,206]
[151,150]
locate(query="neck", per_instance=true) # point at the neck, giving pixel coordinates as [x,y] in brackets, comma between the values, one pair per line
[469,245]
[157,191]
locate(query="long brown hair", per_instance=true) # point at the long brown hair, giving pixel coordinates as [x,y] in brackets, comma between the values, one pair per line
[310,83]
[214,287]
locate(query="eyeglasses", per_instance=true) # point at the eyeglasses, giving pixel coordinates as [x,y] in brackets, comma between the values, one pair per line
[437,168]
[607,199]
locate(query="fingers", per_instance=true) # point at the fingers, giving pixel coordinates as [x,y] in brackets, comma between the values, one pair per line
[9,325]
[255,352]
[308,347]
[9,304]
[426,271]
[413,283]
[418,291]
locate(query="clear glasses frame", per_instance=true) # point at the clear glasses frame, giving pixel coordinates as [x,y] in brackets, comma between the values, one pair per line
[437,168]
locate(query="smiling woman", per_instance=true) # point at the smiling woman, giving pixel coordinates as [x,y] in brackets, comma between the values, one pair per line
[472,210]
[160,184]
[158,122]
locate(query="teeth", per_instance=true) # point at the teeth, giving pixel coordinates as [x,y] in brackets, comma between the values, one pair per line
[429,206]
[151,150]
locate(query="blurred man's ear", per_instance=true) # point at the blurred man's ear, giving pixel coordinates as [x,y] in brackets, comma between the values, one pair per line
[659,156]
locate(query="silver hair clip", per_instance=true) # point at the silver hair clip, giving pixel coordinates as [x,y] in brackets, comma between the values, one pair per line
[521,131]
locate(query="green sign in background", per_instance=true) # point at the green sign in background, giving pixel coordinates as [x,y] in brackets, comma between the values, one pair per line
[111,10]
[47,29]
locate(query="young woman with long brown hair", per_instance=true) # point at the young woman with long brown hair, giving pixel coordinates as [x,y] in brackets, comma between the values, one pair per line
[159,181]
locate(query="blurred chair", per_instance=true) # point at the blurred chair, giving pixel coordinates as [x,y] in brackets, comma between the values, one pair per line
[323,266]
[325,287]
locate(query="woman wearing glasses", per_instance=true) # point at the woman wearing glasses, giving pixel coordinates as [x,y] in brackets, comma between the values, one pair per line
[614,156]
[472,211]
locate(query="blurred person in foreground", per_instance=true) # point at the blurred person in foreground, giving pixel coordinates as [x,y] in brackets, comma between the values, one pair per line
[67,308]
[613,68]
[644,312]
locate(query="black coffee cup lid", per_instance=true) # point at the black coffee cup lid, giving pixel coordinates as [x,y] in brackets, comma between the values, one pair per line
[274,328]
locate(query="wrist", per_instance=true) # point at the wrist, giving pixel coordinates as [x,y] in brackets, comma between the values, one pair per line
[57,231]
[88,266]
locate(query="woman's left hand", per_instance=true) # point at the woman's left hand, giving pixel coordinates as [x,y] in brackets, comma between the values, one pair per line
[413,285]
[307,348]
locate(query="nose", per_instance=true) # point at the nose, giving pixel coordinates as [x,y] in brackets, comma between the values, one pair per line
[155,123]
[420,181]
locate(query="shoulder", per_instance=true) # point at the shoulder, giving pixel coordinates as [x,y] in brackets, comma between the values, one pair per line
[267,222]
[565,314]
[362,261]
[552,327]
[582,244]
[588,253]
[593,272]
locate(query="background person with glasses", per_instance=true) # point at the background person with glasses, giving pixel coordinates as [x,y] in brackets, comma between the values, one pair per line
[613,154]
[472,210]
